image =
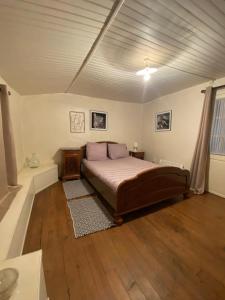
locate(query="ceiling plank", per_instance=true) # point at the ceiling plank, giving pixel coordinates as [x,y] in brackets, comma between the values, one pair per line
[112,15]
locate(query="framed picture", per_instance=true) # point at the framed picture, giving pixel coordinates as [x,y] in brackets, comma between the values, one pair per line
[98,120]
[77,122]
[163,121]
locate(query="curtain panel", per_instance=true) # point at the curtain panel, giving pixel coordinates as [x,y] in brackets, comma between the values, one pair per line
[200,162]
[3,174]
[8,169]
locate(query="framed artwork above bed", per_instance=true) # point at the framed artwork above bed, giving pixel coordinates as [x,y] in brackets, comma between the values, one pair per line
[77,122]
[98,120]
[163,121]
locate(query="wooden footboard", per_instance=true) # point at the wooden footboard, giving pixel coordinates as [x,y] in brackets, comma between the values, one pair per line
[150,187]
[145,189]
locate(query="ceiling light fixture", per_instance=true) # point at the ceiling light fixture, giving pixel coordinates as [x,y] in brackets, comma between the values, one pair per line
[147,76]
[146,71]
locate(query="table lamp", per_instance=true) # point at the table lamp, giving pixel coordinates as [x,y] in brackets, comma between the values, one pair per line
[135,146]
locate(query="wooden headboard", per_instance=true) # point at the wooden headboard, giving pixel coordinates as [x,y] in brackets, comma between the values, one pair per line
[83,148]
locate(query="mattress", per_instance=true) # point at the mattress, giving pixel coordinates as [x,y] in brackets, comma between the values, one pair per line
[114,172]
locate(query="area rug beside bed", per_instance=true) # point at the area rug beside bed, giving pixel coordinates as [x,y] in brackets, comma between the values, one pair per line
[89,215]
[77,188]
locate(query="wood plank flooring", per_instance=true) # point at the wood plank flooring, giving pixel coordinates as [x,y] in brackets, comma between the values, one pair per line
[172,251]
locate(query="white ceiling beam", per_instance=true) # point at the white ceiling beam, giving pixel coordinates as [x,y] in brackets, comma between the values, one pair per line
[109,20]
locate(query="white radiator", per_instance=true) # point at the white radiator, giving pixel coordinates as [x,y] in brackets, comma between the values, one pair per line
[164,162]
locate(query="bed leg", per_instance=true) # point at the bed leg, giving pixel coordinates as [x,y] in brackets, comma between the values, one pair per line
[118,220]
[186,195]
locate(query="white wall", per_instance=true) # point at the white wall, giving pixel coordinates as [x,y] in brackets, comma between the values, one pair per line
[47,126]
[16,106]
[41,125]
[178,144]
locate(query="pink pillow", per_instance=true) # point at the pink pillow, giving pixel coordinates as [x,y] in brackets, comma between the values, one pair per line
[117,151]
[96,151]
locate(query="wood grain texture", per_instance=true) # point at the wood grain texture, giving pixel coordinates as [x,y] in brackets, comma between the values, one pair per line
[71,164]
[171,251]
[146,188]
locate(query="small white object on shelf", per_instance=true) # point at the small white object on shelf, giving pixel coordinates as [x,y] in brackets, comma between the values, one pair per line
[34,162]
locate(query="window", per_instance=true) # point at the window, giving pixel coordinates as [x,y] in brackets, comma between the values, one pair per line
[217,143]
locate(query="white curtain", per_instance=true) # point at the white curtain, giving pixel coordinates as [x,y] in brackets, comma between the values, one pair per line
[217,144]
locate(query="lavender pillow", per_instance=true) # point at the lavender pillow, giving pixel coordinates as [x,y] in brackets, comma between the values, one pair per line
[117,151]
[96,151]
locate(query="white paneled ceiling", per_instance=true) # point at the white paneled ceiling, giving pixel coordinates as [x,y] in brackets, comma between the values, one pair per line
[44,44]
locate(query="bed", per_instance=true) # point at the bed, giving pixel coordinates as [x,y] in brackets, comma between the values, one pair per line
[128,184]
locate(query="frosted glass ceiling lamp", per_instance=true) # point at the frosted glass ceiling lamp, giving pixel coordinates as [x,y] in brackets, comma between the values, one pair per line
[147,77]
[146,71]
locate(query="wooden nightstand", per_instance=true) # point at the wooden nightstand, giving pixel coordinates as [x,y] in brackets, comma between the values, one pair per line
[138,154]
[71,158]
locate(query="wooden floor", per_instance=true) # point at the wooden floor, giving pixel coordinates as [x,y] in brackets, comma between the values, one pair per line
[172,251]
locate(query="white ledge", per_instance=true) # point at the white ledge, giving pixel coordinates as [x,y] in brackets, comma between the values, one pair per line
[14,224]
[31,283]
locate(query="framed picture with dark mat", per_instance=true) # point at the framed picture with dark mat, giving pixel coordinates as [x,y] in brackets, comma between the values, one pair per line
[163,121]
[98,120]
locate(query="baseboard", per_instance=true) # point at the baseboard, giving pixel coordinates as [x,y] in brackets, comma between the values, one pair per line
[217,194]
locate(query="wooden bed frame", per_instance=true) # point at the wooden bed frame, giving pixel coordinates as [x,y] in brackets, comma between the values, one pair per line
[147,188]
